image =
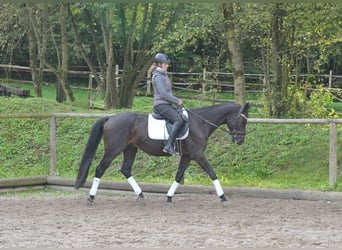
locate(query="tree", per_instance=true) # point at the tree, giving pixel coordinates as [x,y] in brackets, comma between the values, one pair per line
[137,27]
[279,84]
[12,34]
[280,39]
[41,27]
[141,27]
[63,69]
[98,19]
[236,54]
[36,66]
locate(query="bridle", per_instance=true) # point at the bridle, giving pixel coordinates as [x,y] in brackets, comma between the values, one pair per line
[234,132]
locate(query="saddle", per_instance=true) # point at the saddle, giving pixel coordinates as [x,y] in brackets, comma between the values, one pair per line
[158,128]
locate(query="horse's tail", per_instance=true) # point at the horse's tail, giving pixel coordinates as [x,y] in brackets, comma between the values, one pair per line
[89,152]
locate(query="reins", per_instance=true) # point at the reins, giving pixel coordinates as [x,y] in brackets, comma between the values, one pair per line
[234,132]
[218,127]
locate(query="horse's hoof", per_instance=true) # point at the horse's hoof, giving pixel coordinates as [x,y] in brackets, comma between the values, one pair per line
[141,199]
[169,199]
[141,196]
[90,201]
[224,200]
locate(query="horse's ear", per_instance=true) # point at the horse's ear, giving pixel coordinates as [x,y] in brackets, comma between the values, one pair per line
[246,107]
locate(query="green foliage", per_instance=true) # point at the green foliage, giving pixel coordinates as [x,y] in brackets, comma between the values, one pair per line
[319,102]
[316,105]
[307,102]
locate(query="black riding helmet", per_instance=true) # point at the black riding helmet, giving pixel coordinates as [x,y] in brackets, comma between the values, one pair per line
[161,58]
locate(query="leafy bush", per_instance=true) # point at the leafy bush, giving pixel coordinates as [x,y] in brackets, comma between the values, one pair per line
[316,105]
[305,103]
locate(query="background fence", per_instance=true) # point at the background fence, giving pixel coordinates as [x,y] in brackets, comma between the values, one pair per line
[194,81]
[208,85]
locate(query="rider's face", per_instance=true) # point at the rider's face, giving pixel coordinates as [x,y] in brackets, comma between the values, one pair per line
[164,66]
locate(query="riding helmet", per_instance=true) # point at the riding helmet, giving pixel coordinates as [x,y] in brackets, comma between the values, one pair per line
[161,58]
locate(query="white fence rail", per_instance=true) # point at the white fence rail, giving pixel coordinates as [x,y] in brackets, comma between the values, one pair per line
[331,122]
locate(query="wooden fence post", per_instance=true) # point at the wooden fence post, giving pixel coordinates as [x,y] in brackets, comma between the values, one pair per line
[148,85]
[90,90]
[117,78]
[52,145]
[333,155]
[330,79]
[204,81]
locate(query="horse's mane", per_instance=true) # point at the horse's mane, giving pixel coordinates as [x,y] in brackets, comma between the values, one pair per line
[200,109]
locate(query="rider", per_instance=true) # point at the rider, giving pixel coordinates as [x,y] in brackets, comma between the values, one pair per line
[164,99]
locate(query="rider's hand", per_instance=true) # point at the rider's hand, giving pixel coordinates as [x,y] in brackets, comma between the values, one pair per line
[180,103]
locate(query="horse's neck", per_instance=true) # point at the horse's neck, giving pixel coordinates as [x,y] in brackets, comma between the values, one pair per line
[218,114]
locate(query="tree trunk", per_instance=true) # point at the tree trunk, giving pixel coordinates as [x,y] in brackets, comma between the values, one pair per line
[35,73]
[278,84]
[127,92]
[110,100]
[33,63]
[236,54]
[64,44]
[60,95]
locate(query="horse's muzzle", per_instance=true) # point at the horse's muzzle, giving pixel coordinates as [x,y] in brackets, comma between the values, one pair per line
[238,139]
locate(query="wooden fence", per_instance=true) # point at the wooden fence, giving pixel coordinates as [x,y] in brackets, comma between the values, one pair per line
[331,122]
[254,81]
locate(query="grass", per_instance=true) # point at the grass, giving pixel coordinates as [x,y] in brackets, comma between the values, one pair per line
[273,156]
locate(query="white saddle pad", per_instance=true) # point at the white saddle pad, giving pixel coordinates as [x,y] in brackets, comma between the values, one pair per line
[157,129]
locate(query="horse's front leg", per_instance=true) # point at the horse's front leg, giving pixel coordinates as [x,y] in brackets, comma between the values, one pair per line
[204,164]
[182,165]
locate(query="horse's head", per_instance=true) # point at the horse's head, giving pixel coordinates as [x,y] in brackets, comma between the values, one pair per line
[237,125]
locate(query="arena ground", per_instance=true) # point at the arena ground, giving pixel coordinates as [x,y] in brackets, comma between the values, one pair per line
[118,219]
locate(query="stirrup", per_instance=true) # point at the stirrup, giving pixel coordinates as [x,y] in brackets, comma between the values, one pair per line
[170,150]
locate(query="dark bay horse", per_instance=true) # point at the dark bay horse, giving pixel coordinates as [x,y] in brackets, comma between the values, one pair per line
[127,132]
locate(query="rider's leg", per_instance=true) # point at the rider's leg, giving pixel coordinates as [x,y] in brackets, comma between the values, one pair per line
[169,113]
[169,147]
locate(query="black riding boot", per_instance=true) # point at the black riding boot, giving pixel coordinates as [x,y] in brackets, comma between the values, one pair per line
[169,147]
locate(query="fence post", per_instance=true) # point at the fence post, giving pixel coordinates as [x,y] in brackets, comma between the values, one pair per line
[52,145]
[90,90]
[204,81]
[330,79]
[148,85]
[333,155]
[117,75]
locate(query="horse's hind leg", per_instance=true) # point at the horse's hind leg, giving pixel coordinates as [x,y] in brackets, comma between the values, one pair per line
[126,169]
[100,169]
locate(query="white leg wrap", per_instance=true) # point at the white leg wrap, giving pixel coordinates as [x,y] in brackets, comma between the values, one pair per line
[173,189]
[218,187]
[94,186]
[134,185]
